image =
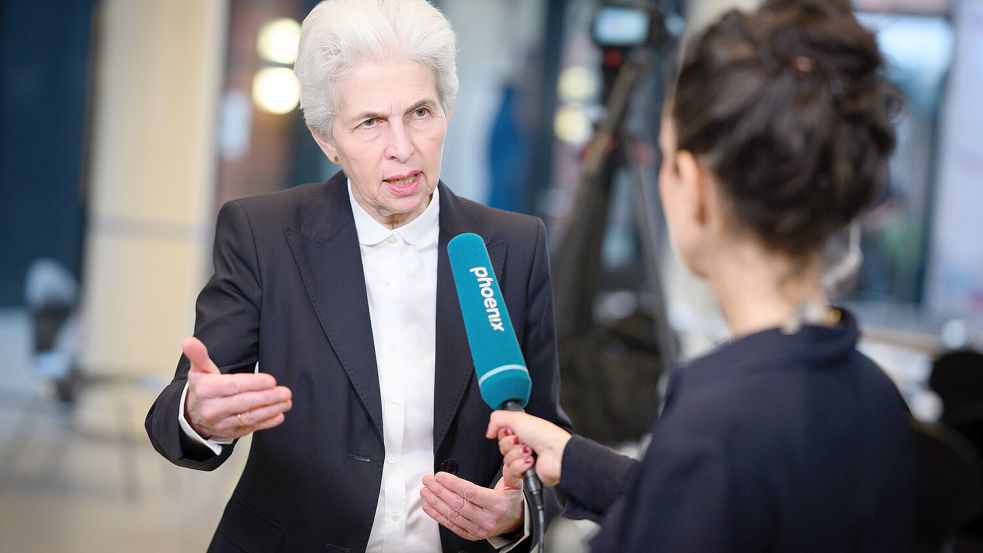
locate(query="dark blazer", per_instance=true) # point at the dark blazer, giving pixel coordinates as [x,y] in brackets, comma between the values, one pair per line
[289,292]
[774,443]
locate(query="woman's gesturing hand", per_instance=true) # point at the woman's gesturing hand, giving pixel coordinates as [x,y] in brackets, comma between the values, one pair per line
[229,406]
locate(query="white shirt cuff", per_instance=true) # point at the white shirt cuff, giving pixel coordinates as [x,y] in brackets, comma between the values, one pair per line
[504,545]
[213,444]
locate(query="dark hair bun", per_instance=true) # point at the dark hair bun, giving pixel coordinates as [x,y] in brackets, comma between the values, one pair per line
[789,110]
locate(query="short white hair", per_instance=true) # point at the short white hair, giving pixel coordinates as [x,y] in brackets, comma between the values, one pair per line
[339,34]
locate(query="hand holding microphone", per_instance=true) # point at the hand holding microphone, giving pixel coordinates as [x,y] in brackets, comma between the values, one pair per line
[520,435]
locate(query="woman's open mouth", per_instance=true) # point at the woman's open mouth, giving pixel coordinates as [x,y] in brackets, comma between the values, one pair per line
[404,185]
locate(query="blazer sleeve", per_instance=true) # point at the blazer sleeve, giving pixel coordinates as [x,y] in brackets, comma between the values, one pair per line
[227,322]
[593,478]
[684,498]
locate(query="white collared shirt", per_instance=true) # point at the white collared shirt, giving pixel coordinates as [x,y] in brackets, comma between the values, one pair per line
[400,268]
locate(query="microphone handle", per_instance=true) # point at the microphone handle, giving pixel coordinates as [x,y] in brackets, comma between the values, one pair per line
[532,489]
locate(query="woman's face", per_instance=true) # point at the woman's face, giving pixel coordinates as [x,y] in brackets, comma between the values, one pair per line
[388,136]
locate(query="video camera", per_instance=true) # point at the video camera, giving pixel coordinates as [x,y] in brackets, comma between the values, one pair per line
[628,24]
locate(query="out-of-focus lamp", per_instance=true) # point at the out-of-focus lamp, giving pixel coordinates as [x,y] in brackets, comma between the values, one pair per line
[572,124]
[577,84]
[276,89]
[277,41]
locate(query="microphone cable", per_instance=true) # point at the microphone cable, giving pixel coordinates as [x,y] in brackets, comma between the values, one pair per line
[532,490]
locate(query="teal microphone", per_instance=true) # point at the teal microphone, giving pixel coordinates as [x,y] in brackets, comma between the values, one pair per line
[498,362]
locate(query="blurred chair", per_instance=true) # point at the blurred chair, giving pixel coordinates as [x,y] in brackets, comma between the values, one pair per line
[51,295]
[967,421]
[949,486]
[957,377]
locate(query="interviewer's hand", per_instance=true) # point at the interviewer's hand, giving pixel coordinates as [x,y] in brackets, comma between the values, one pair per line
[229,406]
[518,433]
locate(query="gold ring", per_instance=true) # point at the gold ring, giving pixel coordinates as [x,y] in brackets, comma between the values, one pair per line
[239,418]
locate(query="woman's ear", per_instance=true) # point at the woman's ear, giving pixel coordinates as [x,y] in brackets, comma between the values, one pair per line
[692,186]
[706,207]
[326,144]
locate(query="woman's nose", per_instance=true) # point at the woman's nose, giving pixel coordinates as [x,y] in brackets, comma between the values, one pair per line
[400,146]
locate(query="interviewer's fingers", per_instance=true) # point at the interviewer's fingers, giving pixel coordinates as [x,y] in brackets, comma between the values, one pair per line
[501,421]
[517,453]
[514,467]
[519,466]
[533,431]
[542,437]
[508,443]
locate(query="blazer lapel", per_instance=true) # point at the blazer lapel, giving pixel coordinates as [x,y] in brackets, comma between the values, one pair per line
[454,368]
[327,253]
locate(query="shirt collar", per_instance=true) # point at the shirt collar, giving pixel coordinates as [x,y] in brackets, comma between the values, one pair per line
[421,231]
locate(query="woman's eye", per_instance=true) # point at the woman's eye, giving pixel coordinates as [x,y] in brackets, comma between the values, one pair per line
[422,112]
[368,123]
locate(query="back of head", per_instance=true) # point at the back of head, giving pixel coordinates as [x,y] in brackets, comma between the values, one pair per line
[338,35]
[788,109]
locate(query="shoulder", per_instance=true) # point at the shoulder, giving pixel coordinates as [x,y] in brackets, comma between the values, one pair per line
[494,224]
[757,404]
[296,207]
[287,207]
[879,402]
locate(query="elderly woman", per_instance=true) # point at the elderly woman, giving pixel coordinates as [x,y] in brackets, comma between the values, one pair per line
[371,420]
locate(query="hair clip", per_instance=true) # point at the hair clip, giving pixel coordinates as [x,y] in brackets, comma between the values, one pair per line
[804,66]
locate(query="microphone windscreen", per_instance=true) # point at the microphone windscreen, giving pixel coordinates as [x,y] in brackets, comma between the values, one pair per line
[498,362]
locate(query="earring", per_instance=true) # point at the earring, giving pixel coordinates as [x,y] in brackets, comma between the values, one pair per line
[336,159]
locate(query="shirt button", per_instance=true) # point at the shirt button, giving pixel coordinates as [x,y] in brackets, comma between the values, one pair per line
[391,459]
[391,239]
[389,285]
[394,515]
[394,404]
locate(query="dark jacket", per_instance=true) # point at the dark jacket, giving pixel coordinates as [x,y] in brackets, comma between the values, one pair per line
[773,443]
[289,292]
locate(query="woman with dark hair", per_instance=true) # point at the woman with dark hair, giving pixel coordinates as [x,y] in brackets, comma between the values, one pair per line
[786,439]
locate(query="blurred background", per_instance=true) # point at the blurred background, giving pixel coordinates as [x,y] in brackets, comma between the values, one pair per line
[125,124]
